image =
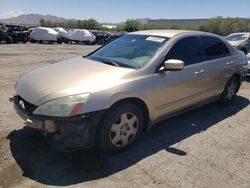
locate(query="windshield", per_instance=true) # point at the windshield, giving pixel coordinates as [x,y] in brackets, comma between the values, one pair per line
[133,51]
[237,37]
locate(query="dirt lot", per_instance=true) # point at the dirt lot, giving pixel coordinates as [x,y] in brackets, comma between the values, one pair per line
[207,147]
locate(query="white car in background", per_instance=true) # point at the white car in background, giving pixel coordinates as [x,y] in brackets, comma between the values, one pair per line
[81,35]
[241,41]
[43,34]
[61,32]
[248,65]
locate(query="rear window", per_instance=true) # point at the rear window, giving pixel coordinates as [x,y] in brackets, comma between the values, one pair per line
[214,48]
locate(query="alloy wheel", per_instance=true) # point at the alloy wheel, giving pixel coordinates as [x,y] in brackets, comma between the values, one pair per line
[124,129]
[231,90]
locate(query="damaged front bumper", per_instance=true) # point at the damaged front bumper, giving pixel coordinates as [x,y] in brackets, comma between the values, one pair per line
[63,134]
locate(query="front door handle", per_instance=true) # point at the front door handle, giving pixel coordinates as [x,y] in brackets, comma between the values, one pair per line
[199,72]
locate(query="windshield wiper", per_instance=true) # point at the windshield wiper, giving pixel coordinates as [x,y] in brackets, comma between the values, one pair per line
[109,62]
[106,61]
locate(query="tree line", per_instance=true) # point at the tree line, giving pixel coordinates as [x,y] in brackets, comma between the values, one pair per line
[71,24]
[217,25]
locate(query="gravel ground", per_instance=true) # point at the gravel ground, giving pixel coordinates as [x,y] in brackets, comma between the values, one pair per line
[206,147]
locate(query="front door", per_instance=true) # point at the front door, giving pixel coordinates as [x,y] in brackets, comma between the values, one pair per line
[175,90]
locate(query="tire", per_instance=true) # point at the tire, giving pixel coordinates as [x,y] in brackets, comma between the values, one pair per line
[24,40]
[8,40]
[244,50]
[32,41]
[88,43]
[120,129]
[59,41]
[230,90]
[15,40]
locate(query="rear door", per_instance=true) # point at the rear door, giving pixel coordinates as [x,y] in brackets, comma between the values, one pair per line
[218,63]
[175,90]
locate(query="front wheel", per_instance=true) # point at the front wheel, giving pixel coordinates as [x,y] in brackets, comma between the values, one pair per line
[122,126]
[8,40]
[230,91]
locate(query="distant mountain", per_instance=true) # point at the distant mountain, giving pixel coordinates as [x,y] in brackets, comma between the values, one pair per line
[31,19]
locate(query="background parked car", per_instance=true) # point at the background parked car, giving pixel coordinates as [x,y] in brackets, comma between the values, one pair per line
[248,65]
[43,34]
[13,34]
[240,41]
[81,36]
[18,33]
[62,34]
[102,37]
[4,35]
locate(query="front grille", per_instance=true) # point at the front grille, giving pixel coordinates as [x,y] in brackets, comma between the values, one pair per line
[26,105]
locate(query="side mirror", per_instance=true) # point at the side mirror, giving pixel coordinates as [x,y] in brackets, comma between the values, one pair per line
[173,65]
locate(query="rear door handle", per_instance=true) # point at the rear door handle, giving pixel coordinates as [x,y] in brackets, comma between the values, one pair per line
[230,63]
[199,72]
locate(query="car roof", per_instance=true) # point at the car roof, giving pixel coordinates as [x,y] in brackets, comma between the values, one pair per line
[241,33]
[166,33]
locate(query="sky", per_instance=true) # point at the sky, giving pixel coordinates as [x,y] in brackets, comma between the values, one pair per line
[121,10]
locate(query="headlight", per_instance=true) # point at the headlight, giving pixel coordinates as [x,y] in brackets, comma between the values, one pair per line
[62,107]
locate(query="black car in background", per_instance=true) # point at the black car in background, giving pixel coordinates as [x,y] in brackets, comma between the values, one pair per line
[13,34]
[103,37]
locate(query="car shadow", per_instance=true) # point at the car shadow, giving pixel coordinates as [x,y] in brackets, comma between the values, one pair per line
[38,162]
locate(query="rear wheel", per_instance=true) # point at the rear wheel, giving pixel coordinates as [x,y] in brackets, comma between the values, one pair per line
[121,128]
[230,90]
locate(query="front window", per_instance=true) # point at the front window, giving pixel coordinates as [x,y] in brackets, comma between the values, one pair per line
[237,37]
[133,51]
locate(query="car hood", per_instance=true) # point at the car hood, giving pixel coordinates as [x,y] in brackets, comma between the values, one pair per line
[74,76]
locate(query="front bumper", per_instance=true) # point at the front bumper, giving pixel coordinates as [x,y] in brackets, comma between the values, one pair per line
[63,134]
